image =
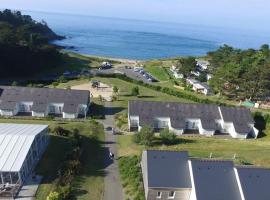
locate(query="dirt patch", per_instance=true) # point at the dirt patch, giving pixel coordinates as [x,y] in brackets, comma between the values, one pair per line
[103,90]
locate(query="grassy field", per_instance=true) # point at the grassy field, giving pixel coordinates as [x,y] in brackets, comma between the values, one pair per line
[247,151]
[145,93]
[89,184]
[156,69]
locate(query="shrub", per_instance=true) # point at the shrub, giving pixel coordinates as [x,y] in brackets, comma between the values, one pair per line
[65,192]
[58,130]
[55,84]
[115,89]
[53,196]
[145,136]
[136,138]
[168,137]
[135,91]
[131,176]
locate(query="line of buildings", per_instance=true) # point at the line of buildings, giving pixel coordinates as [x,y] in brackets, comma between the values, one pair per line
[41,102]
[173,175]
[205,119]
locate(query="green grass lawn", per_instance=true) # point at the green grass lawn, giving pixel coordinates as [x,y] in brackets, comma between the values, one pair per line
[89,184]
[155,68]
[247,151]
[145,93]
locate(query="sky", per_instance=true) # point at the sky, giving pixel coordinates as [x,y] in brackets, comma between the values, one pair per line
[253,14]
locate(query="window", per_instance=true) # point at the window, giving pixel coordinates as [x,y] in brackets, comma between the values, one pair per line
[159,195]
[187,125]
[171,194]
[133,123]
[164,124]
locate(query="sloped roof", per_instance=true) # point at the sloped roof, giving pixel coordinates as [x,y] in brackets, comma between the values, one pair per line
[240,117]
[215,180]
[41,97]
[177,112]
[15,143]
[167,169]
[254,182]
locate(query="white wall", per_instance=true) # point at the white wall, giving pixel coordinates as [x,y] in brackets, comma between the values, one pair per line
[193,190]
[38,114]
[69,115]
[7,112]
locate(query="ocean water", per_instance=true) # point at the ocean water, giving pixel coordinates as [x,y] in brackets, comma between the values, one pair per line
[135,39]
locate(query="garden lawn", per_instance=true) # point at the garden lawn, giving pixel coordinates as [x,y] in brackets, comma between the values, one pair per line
[247,151]
[89,184]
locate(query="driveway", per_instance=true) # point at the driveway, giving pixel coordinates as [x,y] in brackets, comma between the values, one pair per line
[113,188]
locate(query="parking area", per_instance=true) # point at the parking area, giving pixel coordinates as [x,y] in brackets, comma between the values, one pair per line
[136,73]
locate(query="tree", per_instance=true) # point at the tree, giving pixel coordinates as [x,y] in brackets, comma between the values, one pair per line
[186,65]
[202,77]
[135,91]
[168,137]
[24,45]
[115,89]
[145,136]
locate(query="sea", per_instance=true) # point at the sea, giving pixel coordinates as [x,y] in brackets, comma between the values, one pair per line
[144,40]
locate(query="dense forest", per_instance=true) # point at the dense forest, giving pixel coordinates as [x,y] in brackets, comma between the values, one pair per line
[241,74]
[24,45]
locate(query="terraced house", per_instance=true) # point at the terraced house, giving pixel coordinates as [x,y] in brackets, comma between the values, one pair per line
[173,175]
[180,118]
[40,102]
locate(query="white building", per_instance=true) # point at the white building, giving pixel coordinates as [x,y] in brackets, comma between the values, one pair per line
[21,147]
[176,72]
[197,86]
[173,175]
[201,88]
[181,118]
[203,64]
[41,102]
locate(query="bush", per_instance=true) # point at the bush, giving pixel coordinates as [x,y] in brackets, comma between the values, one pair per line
[131,176]
[145,136]
[55,84]
[58,130]
[135,91]
[168,137]
[136,138]
[65,192]
[53,196]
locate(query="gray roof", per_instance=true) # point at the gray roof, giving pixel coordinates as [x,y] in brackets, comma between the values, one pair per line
[168,169]
[240,117]
[215,180]
[177,112]
[255,182]
[41,97]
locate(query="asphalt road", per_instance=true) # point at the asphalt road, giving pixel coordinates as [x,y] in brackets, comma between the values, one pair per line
[113,188]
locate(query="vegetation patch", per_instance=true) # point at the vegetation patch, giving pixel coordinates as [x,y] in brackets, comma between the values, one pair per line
[156,69]
[131,176]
